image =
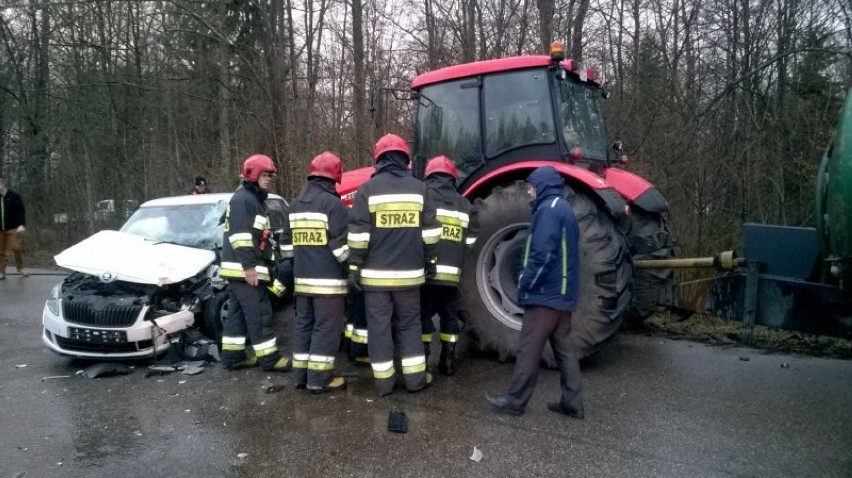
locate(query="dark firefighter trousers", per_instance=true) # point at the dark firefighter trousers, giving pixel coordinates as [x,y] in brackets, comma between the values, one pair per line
[541,325]
[316,338]
[441,300]
[250,316]
[356,326]
[395,315]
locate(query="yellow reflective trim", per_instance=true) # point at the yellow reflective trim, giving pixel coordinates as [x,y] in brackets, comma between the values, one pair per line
[396,206]
[277,288]
[320,289]
[310,237]
[300,364]
[449,337]
[266,351]
[305,224]
[358,244]
[233,347]
[385,374]
[392,282]
[261,222]
[320,366]
[426,338]
[242,244]
[397,218]
[447,277]
[233,340]
[414,369]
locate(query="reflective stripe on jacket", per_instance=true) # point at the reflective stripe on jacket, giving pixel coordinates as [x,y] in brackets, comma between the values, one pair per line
[246,230]
[459,226]
[315,236]
[392,227]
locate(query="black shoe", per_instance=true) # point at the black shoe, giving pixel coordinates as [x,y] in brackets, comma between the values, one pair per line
[447,362]
[502,404]
[558,408]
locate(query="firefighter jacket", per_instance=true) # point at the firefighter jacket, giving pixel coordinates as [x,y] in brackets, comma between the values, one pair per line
[392,228]
[551,256]
[246,240]
[12,212]
[459,226]
[315,237]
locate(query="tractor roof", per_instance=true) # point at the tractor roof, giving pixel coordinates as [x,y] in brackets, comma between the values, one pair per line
[494,66]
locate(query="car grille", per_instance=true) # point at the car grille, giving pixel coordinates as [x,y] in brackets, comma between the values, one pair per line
[82,314]
[76,346]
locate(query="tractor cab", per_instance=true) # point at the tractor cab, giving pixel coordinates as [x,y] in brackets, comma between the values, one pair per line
[488,114]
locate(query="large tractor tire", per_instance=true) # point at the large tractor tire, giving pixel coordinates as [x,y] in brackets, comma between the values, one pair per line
[489,298]
[649,238]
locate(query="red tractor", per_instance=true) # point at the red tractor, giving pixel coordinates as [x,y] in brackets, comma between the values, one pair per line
[499,120]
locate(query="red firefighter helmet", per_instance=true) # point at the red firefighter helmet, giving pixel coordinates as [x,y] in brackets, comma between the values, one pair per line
[390,142]
[442,164]
[254,165]
[326,165]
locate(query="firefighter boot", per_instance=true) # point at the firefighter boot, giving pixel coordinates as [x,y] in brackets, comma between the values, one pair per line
[336,383]
[284,364]
[447,362]
[427,350]
[247,362]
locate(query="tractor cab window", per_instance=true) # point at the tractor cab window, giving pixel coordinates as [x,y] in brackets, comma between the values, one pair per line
[448,124]
[518,111]
[582,121]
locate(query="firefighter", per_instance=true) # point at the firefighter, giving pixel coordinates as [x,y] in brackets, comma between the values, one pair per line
[247,263]
[459,225]
[316,239]
[392,228]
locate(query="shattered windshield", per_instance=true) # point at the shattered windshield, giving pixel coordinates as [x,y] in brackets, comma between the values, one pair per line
[193,225]
[582,121]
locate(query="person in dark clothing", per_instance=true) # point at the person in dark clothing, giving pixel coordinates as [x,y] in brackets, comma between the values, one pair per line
[459,226]
[200,186]
[315,237]
[392,226]
[247,264]
[547,288]
[13,221]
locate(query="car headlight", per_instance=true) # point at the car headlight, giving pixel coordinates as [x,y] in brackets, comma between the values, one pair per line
[55,299]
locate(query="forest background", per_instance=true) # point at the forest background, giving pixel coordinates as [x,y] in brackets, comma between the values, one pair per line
[725,105]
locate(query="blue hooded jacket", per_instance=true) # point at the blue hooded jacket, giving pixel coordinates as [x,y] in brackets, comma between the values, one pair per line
[549,277]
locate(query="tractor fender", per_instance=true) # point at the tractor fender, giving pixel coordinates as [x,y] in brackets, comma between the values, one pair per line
[608,195]
[636,190]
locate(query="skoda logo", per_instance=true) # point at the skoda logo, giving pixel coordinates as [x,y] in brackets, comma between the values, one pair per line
[107,276]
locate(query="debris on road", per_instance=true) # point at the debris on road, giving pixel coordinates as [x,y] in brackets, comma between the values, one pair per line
[242,455]
[476,455]
[54,377]
[744,358]
[270,388]
[397,421]
[22,365]
[785,365]
[105,369]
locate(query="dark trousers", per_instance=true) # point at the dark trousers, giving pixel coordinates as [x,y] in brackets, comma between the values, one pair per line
[541,325]
[250,316]
[441,300]
[394,316]
[357,332]
[316,337]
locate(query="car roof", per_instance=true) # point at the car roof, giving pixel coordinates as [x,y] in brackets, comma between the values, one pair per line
[188,199]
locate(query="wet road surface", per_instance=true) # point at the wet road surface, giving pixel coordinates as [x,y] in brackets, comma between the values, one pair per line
[654,407]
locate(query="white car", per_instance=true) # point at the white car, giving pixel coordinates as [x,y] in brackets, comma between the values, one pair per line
[131,290]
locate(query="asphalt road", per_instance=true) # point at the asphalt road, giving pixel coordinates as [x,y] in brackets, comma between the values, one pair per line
[654,407]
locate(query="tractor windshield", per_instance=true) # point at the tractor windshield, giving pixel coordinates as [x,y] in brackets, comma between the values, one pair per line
[581,118]
[448,124]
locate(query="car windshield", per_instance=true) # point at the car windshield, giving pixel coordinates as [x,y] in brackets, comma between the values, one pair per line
[193,225]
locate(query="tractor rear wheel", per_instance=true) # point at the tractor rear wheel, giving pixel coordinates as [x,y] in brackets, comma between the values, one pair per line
[489,285]
[649,238]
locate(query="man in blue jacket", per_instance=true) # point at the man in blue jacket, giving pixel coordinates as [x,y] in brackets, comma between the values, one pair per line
[547,288]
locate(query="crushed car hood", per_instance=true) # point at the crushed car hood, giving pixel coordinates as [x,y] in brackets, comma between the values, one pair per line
[114,255]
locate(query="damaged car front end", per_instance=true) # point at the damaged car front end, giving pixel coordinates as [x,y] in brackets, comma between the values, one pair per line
[132,291]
